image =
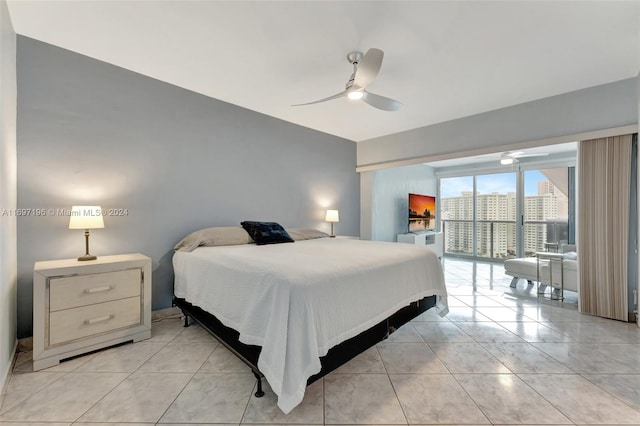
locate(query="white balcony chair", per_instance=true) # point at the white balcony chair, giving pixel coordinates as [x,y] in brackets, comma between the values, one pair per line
[526,268]
[521,268]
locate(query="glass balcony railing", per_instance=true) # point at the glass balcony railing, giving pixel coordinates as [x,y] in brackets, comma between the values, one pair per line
[458,236]
[496,239]
[546,235]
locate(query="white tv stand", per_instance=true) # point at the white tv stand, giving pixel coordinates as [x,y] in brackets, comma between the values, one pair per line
[434,240]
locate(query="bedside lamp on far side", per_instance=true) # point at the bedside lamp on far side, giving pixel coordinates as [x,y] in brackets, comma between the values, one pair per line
[332,216]
[86,217]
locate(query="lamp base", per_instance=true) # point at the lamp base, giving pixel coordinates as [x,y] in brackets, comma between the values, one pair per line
[87,257]
[332,236]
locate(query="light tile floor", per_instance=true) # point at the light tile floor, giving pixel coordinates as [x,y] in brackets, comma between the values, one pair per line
[502,356]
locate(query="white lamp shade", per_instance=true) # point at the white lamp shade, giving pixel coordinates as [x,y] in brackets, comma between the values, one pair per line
[86,217]
[332,216]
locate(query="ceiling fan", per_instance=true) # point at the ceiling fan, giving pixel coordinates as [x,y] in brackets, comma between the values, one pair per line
[365,70]
[509,157]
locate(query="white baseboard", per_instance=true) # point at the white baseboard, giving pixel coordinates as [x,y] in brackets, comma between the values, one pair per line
[4,380]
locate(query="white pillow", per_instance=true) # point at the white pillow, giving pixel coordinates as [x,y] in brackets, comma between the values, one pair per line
[216,236]
[300,234]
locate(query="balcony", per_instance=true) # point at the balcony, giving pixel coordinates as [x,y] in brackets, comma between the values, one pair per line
[496,239]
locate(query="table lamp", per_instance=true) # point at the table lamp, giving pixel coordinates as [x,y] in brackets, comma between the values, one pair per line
[332,216]
[86,217]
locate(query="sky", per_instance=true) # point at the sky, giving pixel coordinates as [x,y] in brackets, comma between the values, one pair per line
[487,184]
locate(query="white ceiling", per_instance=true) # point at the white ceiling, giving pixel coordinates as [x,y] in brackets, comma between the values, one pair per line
[443,59]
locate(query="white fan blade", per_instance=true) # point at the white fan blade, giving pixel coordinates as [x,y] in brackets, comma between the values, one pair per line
[368,67]
[541,154]
[380,102]
[522,154]
[339,95]
[512,154]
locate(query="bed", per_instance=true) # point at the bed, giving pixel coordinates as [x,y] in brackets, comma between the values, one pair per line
[294,312]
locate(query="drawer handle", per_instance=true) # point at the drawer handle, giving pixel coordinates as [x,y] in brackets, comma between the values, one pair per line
[99,319]
[98,289]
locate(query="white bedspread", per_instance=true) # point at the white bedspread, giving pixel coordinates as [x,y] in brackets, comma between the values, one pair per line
[297,300]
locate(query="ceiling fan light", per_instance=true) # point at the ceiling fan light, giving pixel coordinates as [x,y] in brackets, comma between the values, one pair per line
[355,95]
[506,161]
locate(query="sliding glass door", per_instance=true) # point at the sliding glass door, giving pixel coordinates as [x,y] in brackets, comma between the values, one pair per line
[546,210]
[457,214]
[496,215]
[505,215]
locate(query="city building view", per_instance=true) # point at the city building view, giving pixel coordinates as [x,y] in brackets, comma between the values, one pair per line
[545,209]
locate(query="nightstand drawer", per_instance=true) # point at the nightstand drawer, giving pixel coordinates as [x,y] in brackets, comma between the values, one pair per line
[82,290]
[77,323]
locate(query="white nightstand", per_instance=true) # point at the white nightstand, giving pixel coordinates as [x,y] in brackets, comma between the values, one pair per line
[433,240]
[82,306]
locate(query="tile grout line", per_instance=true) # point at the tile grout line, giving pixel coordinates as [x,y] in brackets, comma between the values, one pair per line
[512,373]
[557,407]
[324,403]
[482,345]
[246,406]
[471,398]
[164,344]
[5,409]
[103,396]
[609,393]
[406,419]
[186,384]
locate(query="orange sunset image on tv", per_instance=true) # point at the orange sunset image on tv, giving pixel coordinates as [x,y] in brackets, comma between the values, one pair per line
[422,212]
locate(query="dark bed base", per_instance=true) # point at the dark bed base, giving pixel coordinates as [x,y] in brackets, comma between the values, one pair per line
[337,356]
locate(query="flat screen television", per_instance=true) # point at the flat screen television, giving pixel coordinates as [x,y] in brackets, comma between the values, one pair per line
[422,213]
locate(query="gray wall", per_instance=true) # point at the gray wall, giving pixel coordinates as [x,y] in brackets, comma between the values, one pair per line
[386,211]
[8,163]
[93,133]
[596,108]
